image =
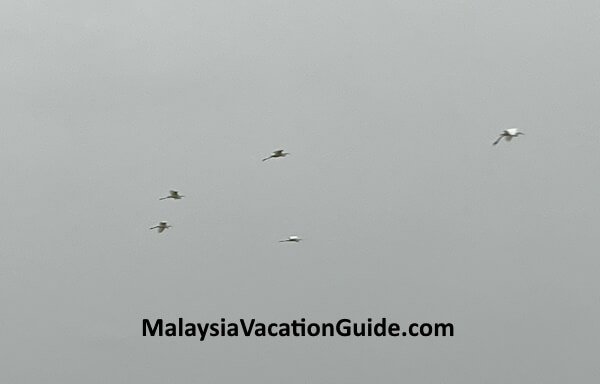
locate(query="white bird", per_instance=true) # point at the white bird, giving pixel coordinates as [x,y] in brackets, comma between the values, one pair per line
[294,239]
[508,135]
[172,195]
[277,153]
[161,226]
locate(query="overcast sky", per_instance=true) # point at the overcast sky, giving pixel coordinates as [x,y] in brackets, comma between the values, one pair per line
[388,108]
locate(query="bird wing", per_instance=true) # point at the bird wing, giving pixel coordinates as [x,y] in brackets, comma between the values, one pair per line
[161,229]
[498,140]
[154,227]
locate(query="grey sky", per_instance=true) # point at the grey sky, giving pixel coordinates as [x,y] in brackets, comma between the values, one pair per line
[389,110]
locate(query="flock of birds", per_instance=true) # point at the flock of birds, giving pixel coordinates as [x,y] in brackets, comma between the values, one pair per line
[176,196]
[507,135]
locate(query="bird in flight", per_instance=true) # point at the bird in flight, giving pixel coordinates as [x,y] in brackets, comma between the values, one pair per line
[172,195]
[161,226]
[277,153]
[508,135]
[291,239]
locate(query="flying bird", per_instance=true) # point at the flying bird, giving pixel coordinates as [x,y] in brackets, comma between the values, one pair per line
[508,135]
[161,226]
[172,195]
[277,153]
[294,239]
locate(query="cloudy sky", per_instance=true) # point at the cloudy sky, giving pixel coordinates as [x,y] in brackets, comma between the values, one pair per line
[389,109]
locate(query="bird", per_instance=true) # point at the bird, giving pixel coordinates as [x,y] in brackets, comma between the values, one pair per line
[172,195]
[292,239]
[161,226]
[508,135]
[277,153]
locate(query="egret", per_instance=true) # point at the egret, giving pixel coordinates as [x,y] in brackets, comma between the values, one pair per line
[277,153]
[508,135]
[293,239]
[172,195]
[161,226]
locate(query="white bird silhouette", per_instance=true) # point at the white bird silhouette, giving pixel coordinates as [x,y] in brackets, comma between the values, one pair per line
[294,239]
[172,195]
[277,153]
[508,135]
[161,226]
